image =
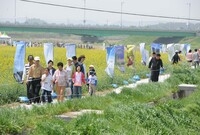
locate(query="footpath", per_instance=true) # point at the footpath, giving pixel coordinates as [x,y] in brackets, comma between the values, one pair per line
[70,115]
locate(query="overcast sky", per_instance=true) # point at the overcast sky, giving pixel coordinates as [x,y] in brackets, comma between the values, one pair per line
[173,8]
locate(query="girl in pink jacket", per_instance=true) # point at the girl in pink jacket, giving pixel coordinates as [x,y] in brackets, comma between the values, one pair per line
[78,79]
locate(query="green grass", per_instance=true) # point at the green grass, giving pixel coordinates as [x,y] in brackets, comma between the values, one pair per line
[125,113]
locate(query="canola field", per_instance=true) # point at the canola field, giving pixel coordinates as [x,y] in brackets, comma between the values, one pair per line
[96,57]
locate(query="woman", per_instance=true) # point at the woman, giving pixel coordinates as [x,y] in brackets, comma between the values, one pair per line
[69,67]
[60,79]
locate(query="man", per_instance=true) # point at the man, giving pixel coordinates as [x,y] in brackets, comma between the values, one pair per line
[155,64]
[51,68]
[25,76]
[195,58]
[35,74]
[175,58]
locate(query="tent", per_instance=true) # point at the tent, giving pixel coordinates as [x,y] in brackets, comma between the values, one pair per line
[5,39]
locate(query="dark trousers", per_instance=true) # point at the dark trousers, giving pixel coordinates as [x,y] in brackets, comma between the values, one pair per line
[28,90]
[154,76]
[48,94]
[35,83]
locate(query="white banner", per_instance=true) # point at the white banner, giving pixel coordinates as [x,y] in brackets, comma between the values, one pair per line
[48,52]
[70,50]
[171,51]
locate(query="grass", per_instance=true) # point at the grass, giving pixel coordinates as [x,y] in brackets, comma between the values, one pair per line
[125,113]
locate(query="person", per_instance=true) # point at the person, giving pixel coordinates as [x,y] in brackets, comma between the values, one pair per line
[76,64]
[195,58]
[46,85]
[25,76]
[34,74]
[60,79]
[92,81]
[78,80]
[69,69]
[189,57]
[81,59]
[51,68]
[175,58]
[155,65]
[153,56]
[91,69]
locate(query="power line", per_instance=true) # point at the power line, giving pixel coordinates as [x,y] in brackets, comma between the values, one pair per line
[109,11]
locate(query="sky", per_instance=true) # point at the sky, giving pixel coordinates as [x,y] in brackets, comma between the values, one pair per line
[51,14]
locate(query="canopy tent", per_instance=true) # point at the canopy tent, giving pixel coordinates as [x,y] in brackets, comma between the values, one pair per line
[5,39]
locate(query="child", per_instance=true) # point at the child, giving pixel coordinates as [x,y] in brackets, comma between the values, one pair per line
[47,85]
[91,69]
[92,81]
[78,79]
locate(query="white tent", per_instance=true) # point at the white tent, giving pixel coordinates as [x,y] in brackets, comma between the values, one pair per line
[5,39]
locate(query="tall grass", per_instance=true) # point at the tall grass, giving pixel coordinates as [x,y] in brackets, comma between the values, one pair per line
[125,113]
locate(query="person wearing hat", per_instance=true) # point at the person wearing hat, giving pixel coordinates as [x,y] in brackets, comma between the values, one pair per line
[175,58]
[92,81]
[91,70]
[35,74]
[69,67]
[155,66]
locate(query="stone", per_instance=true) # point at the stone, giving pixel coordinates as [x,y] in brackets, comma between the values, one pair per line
[185,90]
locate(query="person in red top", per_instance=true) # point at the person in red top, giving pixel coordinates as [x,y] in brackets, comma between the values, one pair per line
[78,80]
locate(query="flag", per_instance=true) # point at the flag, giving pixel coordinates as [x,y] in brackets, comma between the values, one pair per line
[119,57]
[130,55]
[19,61]
[143,53]
[110,59]
[155,47]
[48,52]
[171,51]
[70,50]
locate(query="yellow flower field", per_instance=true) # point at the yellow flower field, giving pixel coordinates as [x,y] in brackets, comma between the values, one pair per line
[95,57]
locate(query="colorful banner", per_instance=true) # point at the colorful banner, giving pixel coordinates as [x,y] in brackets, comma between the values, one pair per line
[48,52]
[110,59]
[130,55]
[19,61]
[119,57]
[70,50]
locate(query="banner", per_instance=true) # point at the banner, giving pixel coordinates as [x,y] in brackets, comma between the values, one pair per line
[19,61]
[155,47]
[119,57]
[171,51]
[130,55]
[187,48]
[110,59]
[70,50]
[142,52]
[146,57]
[163,48]
[48,52]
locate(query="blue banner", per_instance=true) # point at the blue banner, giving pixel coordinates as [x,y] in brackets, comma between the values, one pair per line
[110,59]
[19,60]
[155,47]
[119,57]
[70,50]
[48,52]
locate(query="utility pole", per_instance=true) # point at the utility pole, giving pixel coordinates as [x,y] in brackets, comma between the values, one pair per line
[122,2]
[189,10]
[15,11]
[84,20]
